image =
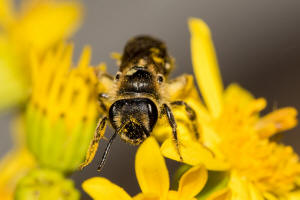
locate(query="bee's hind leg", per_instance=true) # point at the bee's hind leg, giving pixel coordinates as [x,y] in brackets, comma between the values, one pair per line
[94,143]
[172,122]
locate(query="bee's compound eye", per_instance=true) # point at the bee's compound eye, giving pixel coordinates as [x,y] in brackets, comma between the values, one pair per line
[160,79]
[118,76]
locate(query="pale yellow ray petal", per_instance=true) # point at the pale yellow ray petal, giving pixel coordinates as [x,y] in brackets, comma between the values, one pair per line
[277,121]
[193,153]
[206,66]
[192,182]
[151,170]
[102,189]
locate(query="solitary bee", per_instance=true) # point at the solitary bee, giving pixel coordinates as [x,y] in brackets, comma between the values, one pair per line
[140,95]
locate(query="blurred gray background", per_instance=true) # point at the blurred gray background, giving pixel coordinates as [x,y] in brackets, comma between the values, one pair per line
[257,43]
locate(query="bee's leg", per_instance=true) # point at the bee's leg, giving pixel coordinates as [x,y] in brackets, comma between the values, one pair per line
[94,143]
[106,151]
[190,113]
[107,148]
[173,125]
[101,98]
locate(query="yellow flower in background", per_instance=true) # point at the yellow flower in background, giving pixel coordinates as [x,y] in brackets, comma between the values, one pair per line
[233,130]
[153,178]
[38,25]
[63,109]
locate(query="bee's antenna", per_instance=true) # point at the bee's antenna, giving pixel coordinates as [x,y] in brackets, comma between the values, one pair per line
[106,151]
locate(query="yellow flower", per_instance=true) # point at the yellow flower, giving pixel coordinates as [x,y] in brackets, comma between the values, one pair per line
[63,109]
[233,130]
[153,178]
[38,25]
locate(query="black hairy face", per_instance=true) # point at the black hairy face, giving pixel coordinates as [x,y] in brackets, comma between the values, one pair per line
[133,118]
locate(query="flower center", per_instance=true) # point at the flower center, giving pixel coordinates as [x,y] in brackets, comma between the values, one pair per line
[270,166]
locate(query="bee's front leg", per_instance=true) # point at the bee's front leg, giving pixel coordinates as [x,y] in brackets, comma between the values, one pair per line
[94,143]
[166,110]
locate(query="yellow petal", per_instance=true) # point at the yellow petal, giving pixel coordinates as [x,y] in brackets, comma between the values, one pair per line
[277,121]
[48,22]
[240,103]
[192,182]
[236,95]
[193,153]
[151,170]
[142,196]
[211,139]
[206,66]
[102,189]
[221,195]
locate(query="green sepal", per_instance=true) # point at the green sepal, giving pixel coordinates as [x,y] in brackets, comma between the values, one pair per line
[45,184]
[53,144]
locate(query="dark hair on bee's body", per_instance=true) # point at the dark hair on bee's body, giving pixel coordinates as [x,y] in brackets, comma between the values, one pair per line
[146,47]
[138,100]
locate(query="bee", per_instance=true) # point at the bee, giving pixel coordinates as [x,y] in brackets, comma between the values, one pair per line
[140,96]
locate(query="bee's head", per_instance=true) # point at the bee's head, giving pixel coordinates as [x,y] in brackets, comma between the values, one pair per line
[134,118]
